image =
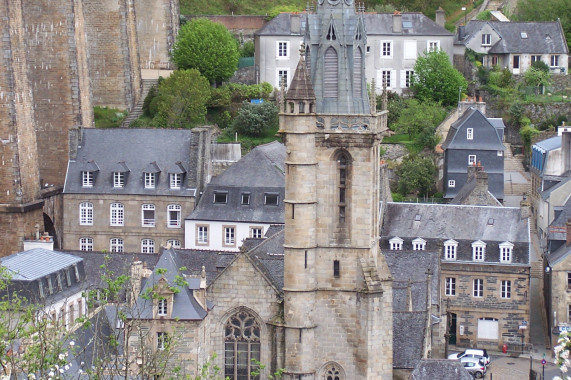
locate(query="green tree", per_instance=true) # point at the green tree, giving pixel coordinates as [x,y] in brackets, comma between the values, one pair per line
[255,119]
[416,175]
[420,120]
[181,100]
[536,77]
[208,47]
[435,78]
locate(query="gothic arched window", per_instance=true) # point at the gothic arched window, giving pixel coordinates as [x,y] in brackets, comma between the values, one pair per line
[357,73]
[333,372]
[241,345]
[330,73]
[343,170]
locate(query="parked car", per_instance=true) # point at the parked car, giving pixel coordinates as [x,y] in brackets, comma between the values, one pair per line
[475,366]
[472,353]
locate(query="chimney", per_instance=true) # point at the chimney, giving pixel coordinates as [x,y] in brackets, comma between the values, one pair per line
[461,32]
[296,25]
[566,150]
[481,179]
[200,294]
[524,208]
[137,269]
[440,17]
[397,22]
[568,234]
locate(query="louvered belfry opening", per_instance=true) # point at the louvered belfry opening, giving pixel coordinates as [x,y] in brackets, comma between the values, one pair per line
[357,73]
[331,74]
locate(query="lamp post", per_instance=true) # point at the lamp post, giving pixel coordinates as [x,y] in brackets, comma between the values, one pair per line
[464,10]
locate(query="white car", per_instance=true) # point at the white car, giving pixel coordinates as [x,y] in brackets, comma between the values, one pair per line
[475,366]
[472,353]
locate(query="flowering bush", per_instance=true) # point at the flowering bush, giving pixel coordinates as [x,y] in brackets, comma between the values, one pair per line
[562,354]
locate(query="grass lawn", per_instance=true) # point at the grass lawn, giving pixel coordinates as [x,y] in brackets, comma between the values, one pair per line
[248,143]
[108,117]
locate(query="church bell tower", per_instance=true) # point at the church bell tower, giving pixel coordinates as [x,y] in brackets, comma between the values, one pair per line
[337,285]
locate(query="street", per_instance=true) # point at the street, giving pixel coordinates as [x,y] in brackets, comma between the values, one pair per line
[510,368]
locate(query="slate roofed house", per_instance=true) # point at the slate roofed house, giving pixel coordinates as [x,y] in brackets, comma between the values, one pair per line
[516,45]
[52,279]
[127,190]
[474,140]
[394,41]
[484,265]
[242,202]
[428,369]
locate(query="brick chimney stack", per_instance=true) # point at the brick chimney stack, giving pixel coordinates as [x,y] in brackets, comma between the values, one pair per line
[397,22]
[568,234]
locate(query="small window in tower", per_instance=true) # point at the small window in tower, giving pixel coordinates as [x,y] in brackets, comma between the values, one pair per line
[291,107]
[331,33]
[336,268]
[301,107]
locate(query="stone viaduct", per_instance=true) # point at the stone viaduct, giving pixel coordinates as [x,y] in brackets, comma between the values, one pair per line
[60,58]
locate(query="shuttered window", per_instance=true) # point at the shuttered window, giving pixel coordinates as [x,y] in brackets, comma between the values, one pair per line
[357,73]
[330,75]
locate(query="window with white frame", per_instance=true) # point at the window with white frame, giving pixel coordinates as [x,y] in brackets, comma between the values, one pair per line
[256,232]
[535,58]
[470,133]
[450,286]
[86,214]
[147,246]
[283,78]
[175,180]
[86,244]
[408,74]
[150,179]
[162,340]
[450,248]
[554,61]
[245,199]
[396,244]
[173,212]
[282,49]
[229,235]
[87,179]
[148,215]
[116,245]
[451,183]
[118,179]
[220,197]
[418,244]
[117,214]
[486,39]
[506,289]
[472,159]
[386,49]
[506,249]
[433,45]
[386,79]
[162,307]
[201,235]
[271,199]
[478,251]
[174,243]
[500,153]
[410,49]
[478,287]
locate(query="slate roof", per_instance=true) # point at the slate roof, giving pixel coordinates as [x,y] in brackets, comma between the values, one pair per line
[375,23]
[268,257]
[464,224]
[561,222]
[548,144]
[473,118]
[469,188]
[428,369]
[408,338]
[259,172]
[154,150]
[542,37]
[559,255]
[301,87]
[37,263]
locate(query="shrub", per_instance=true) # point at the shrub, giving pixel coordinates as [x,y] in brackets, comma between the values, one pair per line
[540,65]
[255,119]
[248,49]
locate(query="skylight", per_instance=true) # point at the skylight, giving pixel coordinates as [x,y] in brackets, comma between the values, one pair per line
[407,24]
[523,35]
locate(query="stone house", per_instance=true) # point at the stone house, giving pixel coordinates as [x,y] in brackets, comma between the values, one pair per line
[474,140]
[128,189]
[475,192]
[484,266]
[243,201]
[550,178]
[516,45]
[393,43]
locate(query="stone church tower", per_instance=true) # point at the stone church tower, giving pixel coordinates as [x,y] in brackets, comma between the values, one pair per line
[337,286]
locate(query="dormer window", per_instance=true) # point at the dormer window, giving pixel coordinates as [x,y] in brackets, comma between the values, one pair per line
[506,249]
[87,179]
[478,250]
[220,197]
[396,244]
[150,180]
[450,248]
[486,39]
[118,179]
[470,133]
[271,199]
[162,307]
[245,199]
[175,180]
[418,244]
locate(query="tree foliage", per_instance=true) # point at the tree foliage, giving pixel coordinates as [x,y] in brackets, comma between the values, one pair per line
[436,79]
[416,175]
[420,120]
[180,100]
[255,119]
[536,77]
[208,47]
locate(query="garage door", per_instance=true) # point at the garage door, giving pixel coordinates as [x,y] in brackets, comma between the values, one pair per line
[488,328]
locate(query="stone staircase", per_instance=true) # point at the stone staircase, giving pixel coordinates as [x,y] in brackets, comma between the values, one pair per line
[138,108]
[514,164]
[537,269]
